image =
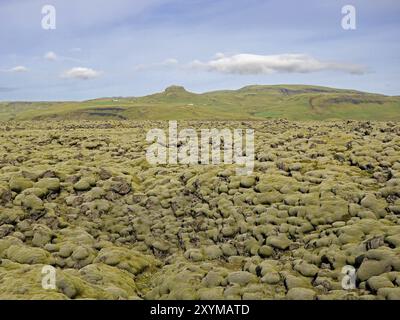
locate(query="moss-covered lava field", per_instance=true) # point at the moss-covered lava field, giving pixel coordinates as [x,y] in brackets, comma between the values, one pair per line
[81,197]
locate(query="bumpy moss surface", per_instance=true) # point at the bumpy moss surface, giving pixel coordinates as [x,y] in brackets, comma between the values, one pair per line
[80,196]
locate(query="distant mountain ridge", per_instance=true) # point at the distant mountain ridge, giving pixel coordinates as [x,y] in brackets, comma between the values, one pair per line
[253,102]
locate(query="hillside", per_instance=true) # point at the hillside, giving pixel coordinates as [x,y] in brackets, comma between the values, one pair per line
[256,102]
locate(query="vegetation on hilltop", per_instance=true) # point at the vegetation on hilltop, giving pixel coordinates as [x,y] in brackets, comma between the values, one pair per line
[255,102]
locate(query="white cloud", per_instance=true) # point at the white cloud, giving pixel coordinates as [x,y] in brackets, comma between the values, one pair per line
[18,69]
[247,64]
[170,61]
[81,73]
[50,56]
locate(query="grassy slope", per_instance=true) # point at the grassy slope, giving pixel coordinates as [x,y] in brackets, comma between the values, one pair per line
[294,102]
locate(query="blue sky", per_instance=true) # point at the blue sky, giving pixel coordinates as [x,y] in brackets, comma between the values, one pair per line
[131,48]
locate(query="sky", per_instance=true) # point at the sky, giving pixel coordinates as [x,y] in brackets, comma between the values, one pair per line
[102,48]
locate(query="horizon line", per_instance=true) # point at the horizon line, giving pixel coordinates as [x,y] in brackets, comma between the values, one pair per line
[198,93]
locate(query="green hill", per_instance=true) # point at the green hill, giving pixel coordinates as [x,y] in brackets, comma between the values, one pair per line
[255,102]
